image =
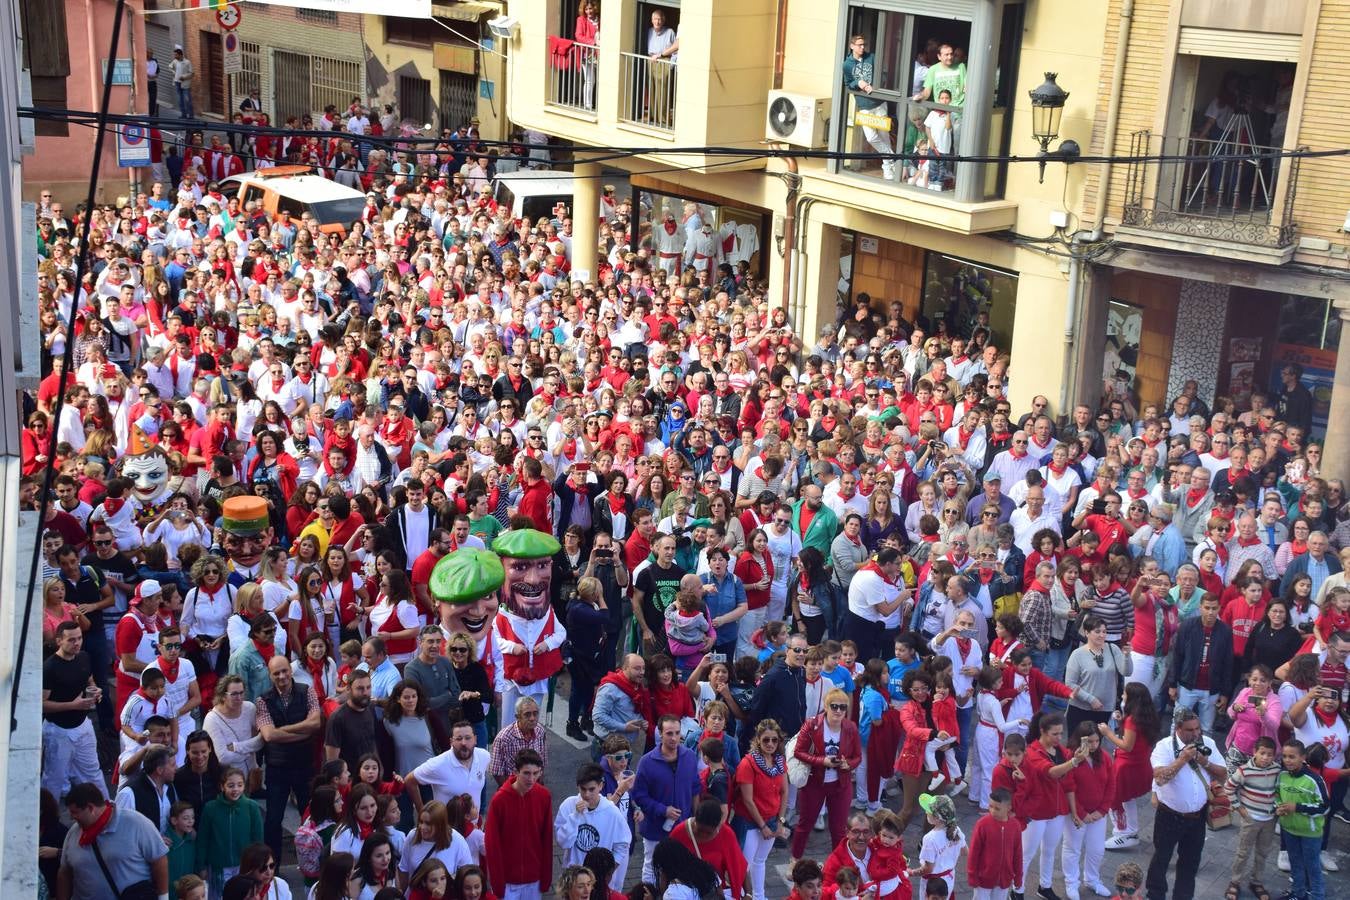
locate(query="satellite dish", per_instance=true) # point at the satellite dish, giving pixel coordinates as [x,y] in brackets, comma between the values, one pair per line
[783,116]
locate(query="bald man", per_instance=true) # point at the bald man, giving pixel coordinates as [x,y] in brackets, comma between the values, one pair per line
[622,704]
[288,718]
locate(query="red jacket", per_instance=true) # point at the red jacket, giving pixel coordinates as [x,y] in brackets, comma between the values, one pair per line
[1003,778]
[1093,787]
[841,858]
[518,838]
[723,853]
[288,474]
[536,501]
[995,856]
[1038,683]
[1045,793]
[917,736]
[811,747]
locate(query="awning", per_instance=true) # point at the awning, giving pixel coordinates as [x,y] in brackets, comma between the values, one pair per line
[468,11]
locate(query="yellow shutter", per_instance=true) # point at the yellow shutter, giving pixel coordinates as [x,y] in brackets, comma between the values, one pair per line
[1240,44]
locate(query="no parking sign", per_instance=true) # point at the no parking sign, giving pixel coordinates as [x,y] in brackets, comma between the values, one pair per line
[133,146]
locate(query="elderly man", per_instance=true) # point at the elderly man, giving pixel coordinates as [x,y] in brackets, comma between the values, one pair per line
[1247,544]
[384,675]
[1184,763]
[1013,464]
[524,733]
[993,496]
[1166,544]
[1194,505]
[1031,518]
[128,843]
[1318,563]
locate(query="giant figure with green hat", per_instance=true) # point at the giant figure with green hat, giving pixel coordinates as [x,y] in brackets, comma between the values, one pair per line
[515,578]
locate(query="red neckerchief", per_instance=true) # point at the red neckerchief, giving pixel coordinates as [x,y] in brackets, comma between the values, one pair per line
[1248,542]
[963,437]
[1193,497]
[266,651]
[90,834]
[365,829]
[856,541]
[1000,436]
[963,646]
[986,575]
[866,492]
[1012,451]
[670,227]
[278,382]
[616,502]
[726,467]
[849,496]
[1136,496]
[1328,719]
[872,566]
[1058,471]
[828,423]
[641,699]
[315,667]
[170,669]
[1298,547]
[1037,586]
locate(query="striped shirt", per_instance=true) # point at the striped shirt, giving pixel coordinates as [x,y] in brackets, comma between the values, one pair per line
[1253,787]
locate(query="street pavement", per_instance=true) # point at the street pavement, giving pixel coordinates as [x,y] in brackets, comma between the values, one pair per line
[565,756]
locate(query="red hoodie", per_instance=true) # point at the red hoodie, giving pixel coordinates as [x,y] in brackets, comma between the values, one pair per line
[519,838]
[995,856]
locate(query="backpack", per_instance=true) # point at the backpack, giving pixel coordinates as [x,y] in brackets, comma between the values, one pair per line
[309,848]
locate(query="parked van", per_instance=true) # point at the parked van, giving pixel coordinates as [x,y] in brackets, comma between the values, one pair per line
[535,193]
[295,190]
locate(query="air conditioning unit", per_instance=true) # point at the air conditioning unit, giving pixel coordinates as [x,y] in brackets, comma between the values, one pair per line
[797,119]
[503,27]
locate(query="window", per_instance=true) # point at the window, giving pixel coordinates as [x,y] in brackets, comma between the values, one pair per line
[902,93]
[250,79]
[398,30]
[47,59]
[967,295]
[414,100]
[317,16]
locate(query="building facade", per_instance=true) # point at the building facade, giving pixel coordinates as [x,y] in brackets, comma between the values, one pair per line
[1224,261]
[962,247]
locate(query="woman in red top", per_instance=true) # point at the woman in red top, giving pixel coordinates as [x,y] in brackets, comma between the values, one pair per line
[916,717]
[760,799]
[831,745]
[302,508]
[1046,765]
[705,843]
[1090,792]
[345,594]
[395,617]
[755,570]
[669,697]
[1133,768]
[33,444]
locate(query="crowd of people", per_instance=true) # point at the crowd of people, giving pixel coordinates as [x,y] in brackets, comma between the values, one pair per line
[788,584]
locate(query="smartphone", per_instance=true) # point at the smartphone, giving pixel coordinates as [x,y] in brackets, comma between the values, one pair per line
[1098,507]
[717,657]
[604,554]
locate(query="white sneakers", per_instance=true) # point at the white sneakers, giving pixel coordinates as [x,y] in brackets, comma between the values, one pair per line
[1282,861]
[1329,864]
[1127,842]
[888,170]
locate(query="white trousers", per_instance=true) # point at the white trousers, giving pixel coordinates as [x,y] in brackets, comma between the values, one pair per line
[648,851]
[1142,673]
[1083,851]
[69,757]
[621,868]
[989,893]
[522,892]
[1129,822]
[757,848]
[986,755]
[1042,835]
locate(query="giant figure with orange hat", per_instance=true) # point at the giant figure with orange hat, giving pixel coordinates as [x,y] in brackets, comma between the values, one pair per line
[247,527]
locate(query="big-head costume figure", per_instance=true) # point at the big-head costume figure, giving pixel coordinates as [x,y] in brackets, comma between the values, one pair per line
[465,584]
[527,634]
[149,472]
[248,533]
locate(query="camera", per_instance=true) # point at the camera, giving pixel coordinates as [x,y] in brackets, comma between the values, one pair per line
[1202,748]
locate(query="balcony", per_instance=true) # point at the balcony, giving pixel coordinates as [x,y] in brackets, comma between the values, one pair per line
[648,87]
[910,135]
[571,74]
[1217,197]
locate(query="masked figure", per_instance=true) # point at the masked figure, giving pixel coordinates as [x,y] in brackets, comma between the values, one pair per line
[465,584]
[149,474]
[527,634]
[248,533]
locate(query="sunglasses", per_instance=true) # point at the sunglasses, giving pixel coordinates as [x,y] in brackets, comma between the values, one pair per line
[839,707]
[174,646]
[102,543]
[459,649]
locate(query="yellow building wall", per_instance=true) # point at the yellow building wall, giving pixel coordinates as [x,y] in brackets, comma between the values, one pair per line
[1323,198]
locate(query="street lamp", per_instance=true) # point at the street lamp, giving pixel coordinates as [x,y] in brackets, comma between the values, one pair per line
[1047,106]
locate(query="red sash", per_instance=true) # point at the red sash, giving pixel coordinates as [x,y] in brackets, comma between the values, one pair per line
[529,667]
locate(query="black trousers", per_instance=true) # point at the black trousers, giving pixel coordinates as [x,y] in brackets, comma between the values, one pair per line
[1173,832]
[282,782]
[867,635]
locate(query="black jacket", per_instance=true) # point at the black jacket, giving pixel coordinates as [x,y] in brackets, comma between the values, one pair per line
[398,531]
[147,798]
[781,696]
[1188,649]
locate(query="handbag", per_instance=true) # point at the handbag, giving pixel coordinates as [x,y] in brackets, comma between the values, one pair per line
[798,772]
[141,890]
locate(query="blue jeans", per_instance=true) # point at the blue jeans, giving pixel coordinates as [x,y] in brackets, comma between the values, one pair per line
[282,782]
[1204,703]
[965,718]
[184,100]
[1056,663]
[1305,867]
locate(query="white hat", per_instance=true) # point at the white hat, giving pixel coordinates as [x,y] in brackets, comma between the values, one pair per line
[178,48]
[147,588]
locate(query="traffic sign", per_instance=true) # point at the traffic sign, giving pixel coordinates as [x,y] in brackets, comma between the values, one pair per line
[233,57]
[133,146]
[229,17]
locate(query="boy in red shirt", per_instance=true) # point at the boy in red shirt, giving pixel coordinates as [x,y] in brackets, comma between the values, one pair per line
[1008,774]
[994,864]
[518,839]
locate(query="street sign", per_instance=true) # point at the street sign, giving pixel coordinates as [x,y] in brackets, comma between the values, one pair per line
[229,17]
[234,58]
[133,147]
[122,71]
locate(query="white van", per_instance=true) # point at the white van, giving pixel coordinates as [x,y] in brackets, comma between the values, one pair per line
[535,193]
[295,190]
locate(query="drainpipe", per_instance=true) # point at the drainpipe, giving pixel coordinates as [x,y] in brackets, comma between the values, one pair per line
[133,174]
[780,39]
[1076,268]
[793,182]
[799,287]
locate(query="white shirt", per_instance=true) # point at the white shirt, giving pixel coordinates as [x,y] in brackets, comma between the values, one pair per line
[784,549]
[1188,792]
[1025,527]
[867,591]
[448,777]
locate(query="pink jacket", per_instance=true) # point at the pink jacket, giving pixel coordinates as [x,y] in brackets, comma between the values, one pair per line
[1249,725]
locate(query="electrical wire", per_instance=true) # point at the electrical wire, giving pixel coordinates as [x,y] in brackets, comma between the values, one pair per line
[608,152]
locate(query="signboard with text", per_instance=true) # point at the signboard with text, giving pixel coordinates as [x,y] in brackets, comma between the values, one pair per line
[133,147]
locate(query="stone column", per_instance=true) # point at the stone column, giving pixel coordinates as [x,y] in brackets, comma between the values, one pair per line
[585,219]
[1336,447]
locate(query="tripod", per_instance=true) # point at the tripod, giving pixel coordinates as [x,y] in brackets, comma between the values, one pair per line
[1236,140]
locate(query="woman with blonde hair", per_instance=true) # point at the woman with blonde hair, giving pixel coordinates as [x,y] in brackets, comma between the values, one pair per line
[249,604]
[432,838]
